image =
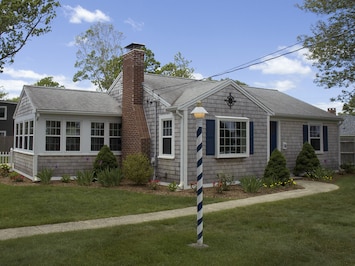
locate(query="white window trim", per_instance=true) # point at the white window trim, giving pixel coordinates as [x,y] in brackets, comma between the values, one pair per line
[66,135]
[233,119]
[3,133]
[5,113]
[163,118]
[320,125]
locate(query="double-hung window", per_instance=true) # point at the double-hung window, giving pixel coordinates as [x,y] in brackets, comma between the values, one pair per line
[97,135]
[115,136]
[53,135]
[232,137]
[166,140]
[72,136]
[317,136]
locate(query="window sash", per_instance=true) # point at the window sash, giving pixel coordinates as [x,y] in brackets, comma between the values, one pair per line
[315,137]
[53,135]
[233,137]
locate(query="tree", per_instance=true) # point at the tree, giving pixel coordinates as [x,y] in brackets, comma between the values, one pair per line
[332,46]
[2,95]
[179,68]
[99,55]
[20,20]
[48,82]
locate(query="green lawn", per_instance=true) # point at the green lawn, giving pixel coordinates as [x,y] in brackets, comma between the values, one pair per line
[314,230]
[42,204]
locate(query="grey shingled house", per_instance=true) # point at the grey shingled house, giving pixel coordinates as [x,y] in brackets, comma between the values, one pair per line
[64,129]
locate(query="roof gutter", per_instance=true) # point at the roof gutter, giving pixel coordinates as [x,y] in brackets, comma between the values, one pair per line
[56,112]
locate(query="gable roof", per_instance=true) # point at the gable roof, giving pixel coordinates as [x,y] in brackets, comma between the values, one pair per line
[181,92]
[59,100]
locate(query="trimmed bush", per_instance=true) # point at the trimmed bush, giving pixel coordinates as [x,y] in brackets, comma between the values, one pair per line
[105,159]
[109,177]
[137,168]
[306,161]
[276,167]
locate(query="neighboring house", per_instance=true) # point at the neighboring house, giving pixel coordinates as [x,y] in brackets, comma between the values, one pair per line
[153,116]
[7,109]
[347,140]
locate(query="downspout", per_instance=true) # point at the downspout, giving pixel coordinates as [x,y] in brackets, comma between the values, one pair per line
[267,138]
[156,141]
[183,149]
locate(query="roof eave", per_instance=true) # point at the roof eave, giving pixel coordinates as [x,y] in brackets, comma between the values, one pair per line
[309,117]
[58,112]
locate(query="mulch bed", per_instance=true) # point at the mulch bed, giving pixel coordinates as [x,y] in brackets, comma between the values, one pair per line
[235,191]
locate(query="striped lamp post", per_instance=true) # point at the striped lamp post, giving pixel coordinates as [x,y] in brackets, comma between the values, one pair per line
[199,113]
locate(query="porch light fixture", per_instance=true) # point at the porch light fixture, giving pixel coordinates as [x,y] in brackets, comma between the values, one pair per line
[199,113]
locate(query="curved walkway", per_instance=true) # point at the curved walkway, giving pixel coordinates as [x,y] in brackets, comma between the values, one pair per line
[309,189]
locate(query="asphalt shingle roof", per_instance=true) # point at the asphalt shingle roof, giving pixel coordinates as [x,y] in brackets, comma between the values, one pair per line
[48,99]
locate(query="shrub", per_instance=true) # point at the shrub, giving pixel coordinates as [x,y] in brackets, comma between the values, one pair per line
[225,181]
[65,178]
[276,167]
[173,186]
[321,173]
[136,167]
[104,159]
[109,177]
[85,178]
[153,184]
[45,176]
[251,184]
[349,168]
[16,177]
[306,161]
[4,170]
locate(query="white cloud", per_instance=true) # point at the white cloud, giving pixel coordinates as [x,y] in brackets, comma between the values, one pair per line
[18,78]
[197,76]
[280,85]
[138,26]
[78,15]
[283,66]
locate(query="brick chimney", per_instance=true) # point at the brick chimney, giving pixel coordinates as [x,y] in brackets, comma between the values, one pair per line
[332,111]
[135,133]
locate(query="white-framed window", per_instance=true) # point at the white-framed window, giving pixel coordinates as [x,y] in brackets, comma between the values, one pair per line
[72,136]
[97,135]
[2,133]
[3,112]
[232,137]
[167,136]
[53,135]
[115,136]
[24,135]
[316,137]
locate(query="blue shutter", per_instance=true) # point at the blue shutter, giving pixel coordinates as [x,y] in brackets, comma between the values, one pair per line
[210,137]
[305,133]
[251,137]
[325,138]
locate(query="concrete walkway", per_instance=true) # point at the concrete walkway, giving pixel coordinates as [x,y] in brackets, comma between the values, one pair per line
[309,189]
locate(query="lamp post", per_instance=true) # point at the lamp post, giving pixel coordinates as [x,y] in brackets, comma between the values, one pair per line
[199,113]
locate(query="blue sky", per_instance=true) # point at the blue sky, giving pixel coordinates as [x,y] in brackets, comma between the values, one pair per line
[214,35]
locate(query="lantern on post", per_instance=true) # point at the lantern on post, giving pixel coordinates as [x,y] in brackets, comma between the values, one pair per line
[199,113]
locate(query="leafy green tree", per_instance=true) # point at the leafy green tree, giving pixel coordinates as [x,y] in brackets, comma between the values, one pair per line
[178,68]
[48,82]
[349,107]
[2,95]
[332,46]
[19,21]
[99,55]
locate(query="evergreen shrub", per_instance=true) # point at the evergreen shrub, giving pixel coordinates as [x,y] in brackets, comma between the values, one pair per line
[104,159]
[306,161]
[276,169]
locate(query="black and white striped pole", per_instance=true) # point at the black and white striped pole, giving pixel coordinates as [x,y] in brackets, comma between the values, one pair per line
[199,113]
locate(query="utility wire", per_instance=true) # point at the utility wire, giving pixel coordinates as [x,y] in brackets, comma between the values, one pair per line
[254,62]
